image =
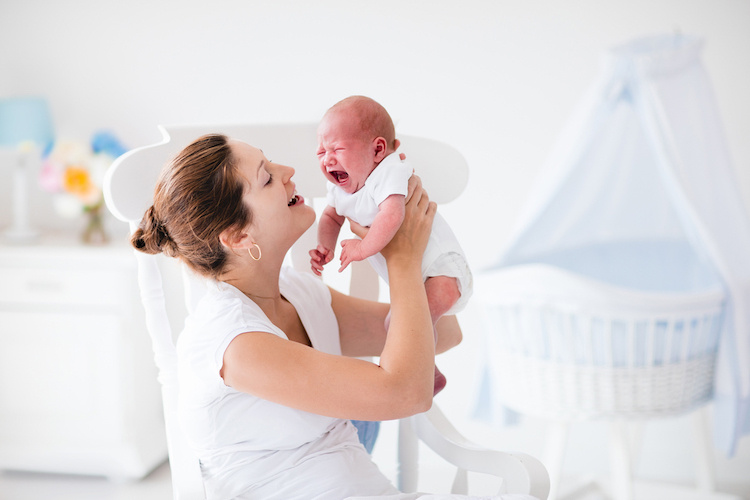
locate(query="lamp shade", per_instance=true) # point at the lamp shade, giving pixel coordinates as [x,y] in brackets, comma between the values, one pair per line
[25,119]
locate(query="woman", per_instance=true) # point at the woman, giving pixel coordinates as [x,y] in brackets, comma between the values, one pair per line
[266,393]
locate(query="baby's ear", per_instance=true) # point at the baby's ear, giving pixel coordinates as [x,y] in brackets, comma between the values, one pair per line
[380,146]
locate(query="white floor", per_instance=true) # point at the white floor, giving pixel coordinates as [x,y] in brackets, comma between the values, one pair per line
[435,476]
[33,486]
[156,486]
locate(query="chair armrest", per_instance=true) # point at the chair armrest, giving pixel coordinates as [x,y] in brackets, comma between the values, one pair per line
[520,473]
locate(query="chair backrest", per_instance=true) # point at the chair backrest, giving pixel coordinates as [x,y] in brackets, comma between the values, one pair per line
[168,291]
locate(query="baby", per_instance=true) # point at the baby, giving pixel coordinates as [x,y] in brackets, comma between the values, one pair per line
[368,184]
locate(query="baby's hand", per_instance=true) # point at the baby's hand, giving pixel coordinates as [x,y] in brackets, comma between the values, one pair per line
[351,251]
[319,257]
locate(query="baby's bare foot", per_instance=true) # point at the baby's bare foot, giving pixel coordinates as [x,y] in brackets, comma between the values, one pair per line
[440,382]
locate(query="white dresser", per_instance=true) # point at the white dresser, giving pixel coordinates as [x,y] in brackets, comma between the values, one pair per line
[78,388]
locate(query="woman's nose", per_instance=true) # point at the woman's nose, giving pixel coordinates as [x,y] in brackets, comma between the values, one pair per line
[288,172]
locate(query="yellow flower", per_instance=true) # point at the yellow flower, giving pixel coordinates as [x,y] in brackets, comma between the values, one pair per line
[77,181]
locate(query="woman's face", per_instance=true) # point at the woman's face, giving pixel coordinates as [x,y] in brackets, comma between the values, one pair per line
[279,214]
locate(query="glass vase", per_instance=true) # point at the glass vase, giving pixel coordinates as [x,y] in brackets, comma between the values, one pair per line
[95,233]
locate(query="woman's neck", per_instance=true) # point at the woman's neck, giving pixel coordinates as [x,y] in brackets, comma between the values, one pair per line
[259,282]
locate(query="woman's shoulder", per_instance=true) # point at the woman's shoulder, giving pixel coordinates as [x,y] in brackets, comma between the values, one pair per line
[217,300]
[222,313]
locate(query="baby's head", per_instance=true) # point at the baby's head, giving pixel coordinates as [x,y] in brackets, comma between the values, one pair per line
[354,136]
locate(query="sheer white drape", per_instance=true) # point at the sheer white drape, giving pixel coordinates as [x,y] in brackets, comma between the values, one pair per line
[641,178]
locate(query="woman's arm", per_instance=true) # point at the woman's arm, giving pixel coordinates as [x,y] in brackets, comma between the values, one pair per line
[362,326]
[295,375]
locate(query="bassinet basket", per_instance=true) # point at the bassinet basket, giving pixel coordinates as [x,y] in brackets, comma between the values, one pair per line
[568,347]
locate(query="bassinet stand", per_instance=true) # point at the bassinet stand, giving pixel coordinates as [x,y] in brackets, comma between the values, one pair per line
[625,439]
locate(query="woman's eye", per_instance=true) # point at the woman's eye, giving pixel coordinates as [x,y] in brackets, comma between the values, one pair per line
[270,178]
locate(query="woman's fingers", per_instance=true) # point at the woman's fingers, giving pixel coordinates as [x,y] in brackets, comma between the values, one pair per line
[412,236]
[415,183]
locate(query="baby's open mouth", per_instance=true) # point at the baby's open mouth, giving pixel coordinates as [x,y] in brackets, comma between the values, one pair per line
[339,176]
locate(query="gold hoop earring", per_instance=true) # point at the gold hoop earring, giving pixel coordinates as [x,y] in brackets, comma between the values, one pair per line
[250,251]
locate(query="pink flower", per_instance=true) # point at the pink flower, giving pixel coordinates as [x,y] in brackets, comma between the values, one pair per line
[49,177]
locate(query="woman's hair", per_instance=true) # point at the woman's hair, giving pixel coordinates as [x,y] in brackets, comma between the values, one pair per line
[197,197]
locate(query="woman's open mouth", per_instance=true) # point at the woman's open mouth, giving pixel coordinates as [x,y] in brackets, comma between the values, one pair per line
[294,200]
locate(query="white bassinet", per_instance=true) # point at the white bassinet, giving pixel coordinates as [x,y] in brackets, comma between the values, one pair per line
[624,292]
[580,336]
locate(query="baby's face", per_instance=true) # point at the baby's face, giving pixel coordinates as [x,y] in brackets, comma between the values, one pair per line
[345,159]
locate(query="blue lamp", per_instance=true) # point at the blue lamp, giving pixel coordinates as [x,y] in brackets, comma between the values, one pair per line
[24,121]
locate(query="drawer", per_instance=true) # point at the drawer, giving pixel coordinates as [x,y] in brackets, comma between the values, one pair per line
[64,286]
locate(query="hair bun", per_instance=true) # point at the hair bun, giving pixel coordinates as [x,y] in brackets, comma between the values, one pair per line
[152,236]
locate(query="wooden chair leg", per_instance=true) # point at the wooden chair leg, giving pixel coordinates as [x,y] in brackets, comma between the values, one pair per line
[460,482]
[408,456]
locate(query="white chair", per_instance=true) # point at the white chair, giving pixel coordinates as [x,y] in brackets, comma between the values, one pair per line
[168,293]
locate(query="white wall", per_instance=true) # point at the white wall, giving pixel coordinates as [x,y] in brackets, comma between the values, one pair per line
[497,79]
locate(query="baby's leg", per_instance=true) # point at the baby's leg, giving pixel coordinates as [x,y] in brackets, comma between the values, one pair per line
[442,293]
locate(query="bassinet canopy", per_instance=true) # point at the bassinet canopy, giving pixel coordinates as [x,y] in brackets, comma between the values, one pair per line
[639,193]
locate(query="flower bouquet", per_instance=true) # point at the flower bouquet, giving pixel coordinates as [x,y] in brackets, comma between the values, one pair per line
[73,172]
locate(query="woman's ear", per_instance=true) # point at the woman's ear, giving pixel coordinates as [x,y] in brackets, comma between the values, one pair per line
[233,238]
